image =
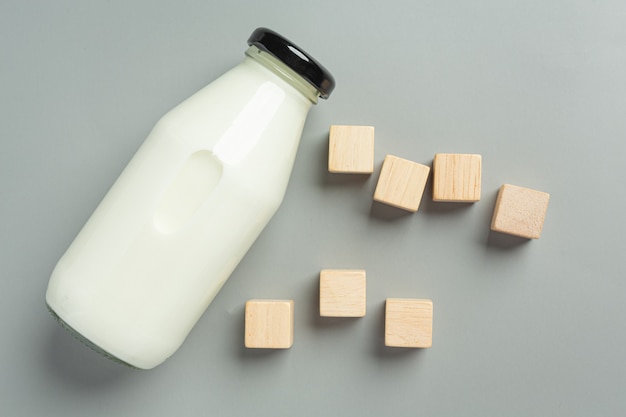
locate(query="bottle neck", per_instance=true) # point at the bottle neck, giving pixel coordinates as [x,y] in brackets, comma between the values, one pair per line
[283,71]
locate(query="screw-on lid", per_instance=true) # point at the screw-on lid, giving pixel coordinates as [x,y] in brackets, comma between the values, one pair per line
[295,58]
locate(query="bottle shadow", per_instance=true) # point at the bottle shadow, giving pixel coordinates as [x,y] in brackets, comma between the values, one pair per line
[80,366]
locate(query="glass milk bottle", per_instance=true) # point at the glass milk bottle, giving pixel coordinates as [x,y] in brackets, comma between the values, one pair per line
[188,206]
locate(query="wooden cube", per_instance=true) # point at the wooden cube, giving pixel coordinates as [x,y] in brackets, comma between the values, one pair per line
[408,323]
[401,183]
[269,324]
[456,177]
[342,293]
[520,211]
[351,149]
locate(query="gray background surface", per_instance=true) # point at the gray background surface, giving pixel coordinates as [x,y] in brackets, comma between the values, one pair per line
[521,328]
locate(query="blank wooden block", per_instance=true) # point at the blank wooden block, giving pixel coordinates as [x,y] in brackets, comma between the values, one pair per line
[408,323]
[401,183]
[342,293]
[520,211]
[269,324]
[351,149]
[456,177]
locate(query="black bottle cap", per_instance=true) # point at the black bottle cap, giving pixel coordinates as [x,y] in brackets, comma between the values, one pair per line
[295,58]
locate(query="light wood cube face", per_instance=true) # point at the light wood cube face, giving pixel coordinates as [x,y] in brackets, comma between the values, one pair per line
[456,177]
[342,293]
[408,323]
[520,211]
[269,324]
[351,149]
[401,183]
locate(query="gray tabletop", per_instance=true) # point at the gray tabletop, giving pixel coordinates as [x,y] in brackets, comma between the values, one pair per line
[520,327]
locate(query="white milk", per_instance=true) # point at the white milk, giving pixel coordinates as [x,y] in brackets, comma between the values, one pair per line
[185,210]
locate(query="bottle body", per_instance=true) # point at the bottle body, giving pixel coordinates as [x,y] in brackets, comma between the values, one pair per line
[181,216]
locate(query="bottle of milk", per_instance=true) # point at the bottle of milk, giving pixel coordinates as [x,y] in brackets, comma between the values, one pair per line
[188,206]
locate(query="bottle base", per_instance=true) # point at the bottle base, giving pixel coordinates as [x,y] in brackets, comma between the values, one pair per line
[86,341]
